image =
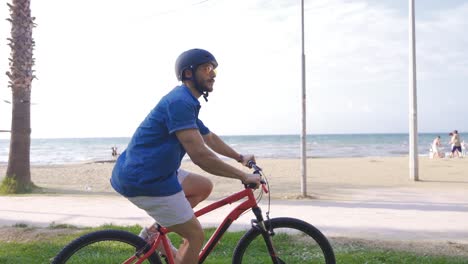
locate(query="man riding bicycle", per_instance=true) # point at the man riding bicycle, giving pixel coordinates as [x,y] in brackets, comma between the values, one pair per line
[148,172]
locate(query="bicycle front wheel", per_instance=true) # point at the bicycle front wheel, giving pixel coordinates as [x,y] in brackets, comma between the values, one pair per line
[106,246]
[294,240]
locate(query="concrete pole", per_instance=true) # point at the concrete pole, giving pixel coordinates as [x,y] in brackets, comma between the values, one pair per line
[304,122]
[413,106]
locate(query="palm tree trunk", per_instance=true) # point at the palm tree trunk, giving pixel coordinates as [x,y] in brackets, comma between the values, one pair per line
[21,75]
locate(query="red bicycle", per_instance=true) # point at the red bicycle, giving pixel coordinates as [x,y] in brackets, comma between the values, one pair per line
[277,240]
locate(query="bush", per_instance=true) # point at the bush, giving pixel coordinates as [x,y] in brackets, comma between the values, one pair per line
[10,186]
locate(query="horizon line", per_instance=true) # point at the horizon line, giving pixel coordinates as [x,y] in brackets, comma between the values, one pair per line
[258,135]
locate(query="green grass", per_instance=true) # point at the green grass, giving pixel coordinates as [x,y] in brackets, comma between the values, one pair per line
[374,256]
[37,250]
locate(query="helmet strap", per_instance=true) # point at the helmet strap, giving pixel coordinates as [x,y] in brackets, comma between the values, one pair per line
[205,96]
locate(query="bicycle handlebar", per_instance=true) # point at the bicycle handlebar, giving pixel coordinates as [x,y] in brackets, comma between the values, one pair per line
[251,164]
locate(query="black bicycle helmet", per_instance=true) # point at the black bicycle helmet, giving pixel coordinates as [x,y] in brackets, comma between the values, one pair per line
[191,59]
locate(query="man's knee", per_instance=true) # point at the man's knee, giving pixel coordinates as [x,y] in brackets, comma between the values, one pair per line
[197,185]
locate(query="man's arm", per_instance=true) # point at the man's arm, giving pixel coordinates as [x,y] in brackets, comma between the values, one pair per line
[194,144]
[220,147]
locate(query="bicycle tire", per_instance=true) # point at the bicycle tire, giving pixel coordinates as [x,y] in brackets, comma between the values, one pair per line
[303,244]
[105,246]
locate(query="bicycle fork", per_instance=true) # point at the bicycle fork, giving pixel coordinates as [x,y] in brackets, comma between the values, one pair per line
[259,224]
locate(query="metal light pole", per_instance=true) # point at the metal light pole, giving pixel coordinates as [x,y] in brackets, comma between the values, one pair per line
[413,113]
[304,132]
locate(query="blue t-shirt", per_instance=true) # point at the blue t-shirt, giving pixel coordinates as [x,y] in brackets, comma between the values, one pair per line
[148,167]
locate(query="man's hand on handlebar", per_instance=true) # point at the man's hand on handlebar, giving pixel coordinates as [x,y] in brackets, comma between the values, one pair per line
[246,158]
[252,178]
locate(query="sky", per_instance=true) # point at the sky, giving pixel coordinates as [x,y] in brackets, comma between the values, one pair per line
[101,66]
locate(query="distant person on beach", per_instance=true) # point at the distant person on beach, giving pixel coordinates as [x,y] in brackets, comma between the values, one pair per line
[451,144]
[456,144]
[436,153]
[148,171]
[114,152]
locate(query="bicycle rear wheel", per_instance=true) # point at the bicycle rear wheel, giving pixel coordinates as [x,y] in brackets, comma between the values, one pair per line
[106,246]
[294,240]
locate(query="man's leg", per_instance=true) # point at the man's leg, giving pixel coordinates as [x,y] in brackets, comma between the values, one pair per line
[193,235]
[196,188]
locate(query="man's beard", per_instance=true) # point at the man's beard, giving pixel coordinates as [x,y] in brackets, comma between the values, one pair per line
[202,86]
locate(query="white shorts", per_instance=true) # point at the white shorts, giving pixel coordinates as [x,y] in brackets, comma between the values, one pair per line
[167,210]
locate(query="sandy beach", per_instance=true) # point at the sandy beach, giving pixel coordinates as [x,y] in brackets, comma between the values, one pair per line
[327,178]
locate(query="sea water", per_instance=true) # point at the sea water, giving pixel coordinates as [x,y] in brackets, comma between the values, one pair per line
[79,150]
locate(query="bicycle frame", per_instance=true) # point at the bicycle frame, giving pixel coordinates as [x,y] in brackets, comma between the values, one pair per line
[250,203]
[228,220]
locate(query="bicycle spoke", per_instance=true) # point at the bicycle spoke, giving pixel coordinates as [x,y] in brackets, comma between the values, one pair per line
[292,245]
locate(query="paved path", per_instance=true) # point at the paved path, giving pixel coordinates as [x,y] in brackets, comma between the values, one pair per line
[411,216]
